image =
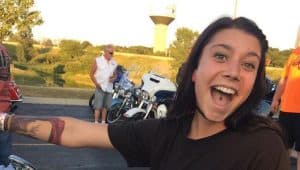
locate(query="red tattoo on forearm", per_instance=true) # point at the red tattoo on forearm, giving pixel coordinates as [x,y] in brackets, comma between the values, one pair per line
[19,124]
[56,130]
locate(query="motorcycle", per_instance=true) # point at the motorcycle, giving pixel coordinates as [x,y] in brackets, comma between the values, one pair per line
[157,94]
[126,100]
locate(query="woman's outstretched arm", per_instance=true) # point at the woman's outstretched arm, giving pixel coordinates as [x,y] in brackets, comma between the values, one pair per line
[65,131]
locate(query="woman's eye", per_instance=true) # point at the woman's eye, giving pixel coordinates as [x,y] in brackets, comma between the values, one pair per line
[249,66]
[220,57]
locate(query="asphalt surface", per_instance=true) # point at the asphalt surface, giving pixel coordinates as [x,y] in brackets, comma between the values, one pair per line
[58,101]
[46,156]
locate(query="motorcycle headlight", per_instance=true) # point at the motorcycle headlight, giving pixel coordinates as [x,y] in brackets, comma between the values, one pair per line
[121,92]
[162,111]
[116,86]
[145,95]
[128,94]
[137,92]
[153,98]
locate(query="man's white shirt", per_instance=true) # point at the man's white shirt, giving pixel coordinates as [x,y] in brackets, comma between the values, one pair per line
[104,70]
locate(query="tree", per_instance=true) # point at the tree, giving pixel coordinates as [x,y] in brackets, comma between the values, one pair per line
[70,49]
[278,58]
[181,47]
[17,16]
[47,43]
[86,44]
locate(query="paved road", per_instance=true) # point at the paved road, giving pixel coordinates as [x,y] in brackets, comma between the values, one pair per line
[49,157]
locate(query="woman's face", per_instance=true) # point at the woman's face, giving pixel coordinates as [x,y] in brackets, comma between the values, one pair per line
[226,73]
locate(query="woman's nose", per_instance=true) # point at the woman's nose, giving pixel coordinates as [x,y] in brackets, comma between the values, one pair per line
[232,71]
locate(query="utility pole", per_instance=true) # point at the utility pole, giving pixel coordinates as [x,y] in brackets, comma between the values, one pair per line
[297,43]
[235,8]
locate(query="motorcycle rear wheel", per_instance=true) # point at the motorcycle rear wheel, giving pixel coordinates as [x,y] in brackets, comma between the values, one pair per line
[115,112]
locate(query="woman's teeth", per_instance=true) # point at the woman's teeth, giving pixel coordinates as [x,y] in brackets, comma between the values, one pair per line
[225,90]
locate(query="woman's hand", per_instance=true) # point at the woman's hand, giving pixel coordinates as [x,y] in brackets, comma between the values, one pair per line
[2,120]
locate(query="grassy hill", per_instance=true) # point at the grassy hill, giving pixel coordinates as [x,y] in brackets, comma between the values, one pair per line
[76,71]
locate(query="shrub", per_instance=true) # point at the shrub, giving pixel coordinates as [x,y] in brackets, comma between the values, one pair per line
[11,48]
[20,53]
[47,58]
[44,50]
[39,59]
[70,48]
[59,69]
[16,51]
[20,66]
[29,79]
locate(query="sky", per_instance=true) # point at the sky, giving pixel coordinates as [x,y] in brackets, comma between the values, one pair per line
[127,22]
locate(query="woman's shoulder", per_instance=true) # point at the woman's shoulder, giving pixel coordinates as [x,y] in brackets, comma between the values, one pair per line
[265,138]
[265,132]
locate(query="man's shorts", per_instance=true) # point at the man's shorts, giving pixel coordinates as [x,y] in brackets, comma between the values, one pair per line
[102,99]
[290,123]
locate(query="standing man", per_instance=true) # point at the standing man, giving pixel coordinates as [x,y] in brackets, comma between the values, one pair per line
[288,96]
[103,75]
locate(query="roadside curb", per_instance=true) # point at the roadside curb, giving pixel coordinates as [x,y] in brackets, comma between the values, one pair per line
[59,101]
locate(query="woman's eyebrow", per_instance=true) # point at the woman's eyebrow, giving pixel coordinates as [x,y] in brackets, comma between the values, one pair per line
[250,53]
[223,46]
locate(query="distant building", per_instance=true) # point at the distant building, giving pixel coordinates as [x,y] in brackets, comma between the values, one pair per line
[162,16]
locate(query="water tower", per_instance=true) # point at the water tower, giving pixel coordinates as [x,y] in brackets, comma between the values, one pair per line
[162,15]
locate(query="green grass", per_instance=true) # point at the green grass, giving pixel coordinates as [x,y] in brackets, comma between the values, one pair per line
[274,73]
[55,92]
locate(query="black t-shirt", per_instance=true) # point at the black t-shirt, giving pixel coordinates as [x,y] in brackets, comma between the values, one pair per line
[162,144]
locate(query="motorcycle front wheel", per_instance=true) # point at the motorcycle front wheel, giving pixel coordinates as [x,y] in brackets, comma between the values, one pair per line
[115,112]
[91,102]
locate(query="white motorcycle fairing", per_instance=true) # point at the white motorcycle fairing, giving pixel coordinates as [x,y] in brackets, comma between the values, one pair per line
[131,112]
[154,83]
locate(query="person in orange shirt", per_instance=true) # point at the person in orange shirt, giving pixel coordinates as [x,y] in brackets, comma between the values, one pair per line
[287,95]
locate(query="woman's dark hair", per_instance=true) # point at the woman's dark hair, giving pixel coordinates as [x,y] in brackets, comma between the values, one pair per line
[185,102]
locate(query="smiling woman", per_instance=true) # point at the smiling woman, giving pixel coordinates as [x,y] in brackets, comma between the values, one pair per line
[235,60]
[211,116]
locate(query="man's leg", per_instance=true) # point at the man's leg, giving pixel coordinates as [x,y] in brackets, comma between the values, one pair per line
[107,99]
[103,115]
[98,104]
[97,115]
